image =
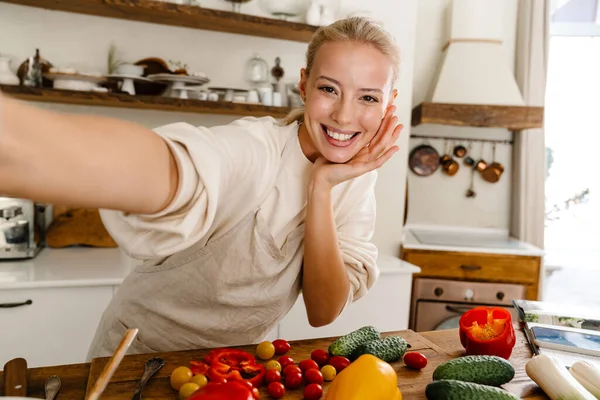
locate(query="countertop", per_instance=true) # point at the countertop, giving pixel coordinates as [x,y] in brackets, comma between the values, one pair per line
[438,347]
[81,266]
[472,240]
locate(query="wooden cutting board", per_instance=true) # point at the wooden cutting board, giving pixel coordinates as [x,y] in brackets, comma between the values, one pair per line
[126,378]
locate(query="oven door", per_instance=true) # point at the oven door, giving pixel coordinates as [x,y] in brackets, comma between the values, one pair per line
[433,315]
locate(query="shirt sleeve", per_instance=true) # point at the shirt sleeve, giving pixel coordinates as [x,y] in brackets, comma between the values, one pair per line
[354,236]
[218,168]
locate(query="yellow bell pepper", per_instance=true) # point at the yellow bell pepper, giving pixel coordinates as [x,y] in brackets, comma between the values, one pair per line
[368,377]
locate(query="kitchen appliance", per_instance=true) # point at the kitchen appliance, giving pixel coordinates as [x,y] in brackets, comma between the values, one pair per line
[22,228]
[438,303]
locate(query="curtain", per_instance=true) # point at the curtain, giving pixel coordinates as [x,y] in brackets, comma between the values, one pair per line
[529,151]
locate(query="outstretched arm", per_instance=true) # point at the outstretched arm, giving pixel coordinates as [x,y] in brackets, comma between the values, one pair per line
[83,160]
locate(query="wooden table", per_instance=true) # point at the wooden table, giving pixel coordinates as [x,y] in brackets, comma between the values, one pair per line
[438,347]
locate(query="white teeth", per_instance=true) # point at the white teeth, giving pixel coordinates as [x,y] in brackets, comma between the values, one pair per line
[342,137]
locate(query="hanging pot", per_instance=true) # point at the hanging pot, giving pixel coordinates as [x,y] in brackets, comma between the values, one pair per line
[460,151]
[449,165]
[424,160]
[493,172]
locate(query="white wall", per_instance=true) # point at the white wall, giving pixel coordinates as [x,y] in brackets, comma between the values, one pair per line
[439,199]
[83,42]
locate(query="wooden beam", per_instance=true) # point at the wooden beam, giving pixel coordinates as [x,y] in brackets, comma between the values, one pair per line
[166,13]
[509,117]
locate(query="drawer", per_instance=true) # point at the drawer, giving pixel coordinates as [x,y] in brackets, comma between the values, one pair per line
[50,326]
[475,266]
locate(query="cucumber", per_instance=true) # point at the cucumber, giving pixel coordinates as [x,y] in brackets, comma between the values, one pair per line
[388,349]
[449,389]
[486,370]
[345,345]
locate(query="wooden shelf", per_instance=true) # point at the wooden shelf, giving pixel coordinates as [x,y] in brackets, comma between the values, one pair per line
[141,102]
[164,13]
[510,117]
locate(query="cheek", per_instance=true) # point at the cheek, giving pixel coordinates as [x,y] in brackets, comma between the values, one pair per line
[370,120]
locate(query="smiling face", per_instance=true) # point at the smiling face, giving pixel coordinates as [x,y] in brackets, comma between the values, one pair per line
[347,93]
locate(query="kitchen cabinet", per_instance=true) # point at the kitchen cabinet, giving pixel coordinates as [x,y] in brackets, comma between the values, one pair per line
[497,268]
[386,307]
[51,325]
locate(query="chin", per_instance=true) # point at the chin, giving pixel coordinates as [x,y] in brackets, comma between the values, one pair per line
[337,157]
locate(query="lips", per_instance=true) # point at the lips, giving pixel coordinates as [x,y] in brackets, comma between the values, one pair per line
[338,137]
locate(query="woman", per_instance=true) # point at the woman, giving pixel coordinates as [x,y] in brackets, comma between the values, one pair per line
[232,221]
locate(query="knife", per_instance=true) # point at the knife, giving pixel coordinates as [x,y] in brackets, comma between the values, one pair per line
[15,378]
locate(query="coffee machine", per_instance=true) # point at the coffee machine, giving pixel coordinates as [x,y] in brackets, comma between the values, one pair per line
[22,228]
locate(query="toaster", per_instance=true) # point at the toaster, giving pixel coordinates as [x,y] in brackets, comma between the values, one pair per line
[22,228]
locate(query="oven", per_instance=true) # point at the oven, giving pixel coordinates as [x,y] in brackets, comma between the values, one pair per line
[438,304]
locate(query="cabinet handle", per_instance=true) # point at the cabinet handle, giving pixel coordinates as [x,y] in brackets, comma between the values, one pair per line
[13,305]
[471,267]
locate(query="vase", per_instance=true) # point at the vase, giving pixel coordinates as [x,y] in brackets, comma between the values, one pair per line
[7,77]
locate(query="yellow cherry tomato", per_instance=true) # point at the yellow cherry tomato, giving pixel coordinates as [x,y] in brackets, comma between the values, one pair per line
[180,376]
[274,364]
[265,350]
[187,390]
[200,380]
[328,372]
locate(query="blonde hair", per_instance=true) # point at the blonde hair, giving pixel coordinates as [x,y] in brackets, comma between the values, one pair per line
[355,29]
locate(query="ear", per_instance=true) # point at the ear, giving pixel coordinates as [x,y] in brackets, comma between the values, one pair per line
[393,96]
[302,84]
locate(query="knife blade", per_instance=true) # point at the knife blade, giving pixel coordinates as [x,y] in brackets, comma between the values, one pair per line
[15,378]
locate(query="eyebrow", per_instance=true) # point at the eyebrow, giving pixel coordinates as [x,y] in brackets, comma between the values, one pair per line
[340,85]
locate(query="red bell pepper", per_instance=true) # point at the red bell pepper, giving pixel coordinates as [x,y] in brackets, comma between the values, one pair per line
[234,365]
[487,331]
[199,367]
[234,390]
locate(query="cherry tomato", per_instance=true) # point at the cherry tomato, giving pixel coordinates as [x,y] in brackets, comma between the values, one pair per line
[272,375]
[274,365]
[328,372]
[276,390]
[265,350]
[293,380]
[285,360]
[305,365]
[414,360]
[313,391]
[339,363]
[320,356]
[313,376]
[180,376]
[281,346]
[291,368]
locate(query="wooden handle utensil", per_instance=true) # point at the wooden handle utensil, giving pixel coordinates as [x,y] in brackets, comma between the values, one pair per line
[112,365]
[15,378]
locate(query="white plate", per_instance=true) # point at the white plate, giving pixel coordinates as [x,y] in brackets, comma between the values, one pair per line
[134,77]
[75,77]
[178,78]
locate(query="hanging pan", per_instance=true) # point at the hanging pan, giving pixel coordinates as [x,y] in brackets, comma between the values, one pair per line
[424,160]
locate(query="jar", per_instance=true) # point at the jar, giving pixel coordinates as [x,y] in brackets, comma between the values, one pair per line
[257,70]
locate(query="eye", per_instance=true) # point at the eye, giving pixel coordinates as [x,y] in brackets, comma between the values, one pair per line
[327,89]
[370,99]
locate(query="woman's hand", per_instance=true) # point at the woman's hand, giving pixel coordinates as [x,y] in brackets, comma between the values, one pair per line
[374,155]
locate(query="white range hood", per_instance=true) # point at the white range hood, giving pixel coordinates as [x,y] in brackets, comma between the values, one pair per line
[475,67]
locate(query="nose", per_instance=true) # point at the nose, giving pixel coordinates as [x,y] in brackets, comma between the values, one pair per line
[343,112]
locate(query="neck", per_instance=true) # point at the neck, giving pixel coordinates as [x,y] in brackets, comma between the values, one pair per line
[306,144]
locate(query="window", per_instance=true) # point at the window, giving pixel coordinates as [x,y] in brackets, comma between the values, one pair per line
[572,129]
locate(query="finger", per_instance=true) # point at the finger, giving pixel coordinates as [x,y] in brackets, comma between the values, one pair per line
[385,121]
[387,139]
[372,165]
